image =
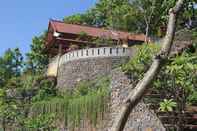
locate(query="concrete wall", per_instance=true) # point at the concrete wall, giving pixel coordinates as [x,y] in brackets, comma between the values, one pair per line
[53,66]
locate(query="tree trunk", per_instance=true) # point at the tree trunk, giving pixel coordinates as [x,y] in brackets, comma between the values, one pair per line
[4,125]
[147,33]
[149,76]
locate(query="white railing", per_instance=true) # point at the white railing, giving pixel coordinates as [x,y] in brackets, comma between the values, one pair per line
[85,53]
[94,52]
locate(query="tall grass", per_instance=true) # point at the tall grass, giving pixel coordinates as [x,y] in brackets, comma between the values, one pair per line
[89,101]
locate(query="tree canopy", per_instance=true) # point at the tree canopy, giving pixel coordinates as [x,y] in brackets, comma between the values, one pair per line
[144,16]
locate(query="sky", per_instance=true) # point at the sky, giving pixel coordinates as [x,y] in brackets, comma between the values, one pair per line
[21,20]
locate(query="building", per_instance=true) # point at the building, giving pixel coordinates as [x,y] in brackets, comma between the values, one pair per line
[62,37]
[68,42]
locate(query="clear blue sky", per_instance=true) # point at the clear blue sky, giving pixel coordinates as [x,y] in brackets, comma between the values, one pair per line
[20,20]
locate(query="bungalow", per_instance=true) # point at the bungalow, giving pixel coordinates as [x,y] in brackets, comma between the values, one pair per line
[62,37]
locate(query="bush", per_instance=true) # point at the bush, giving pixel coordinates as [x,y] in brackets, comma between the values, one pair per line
[139,64]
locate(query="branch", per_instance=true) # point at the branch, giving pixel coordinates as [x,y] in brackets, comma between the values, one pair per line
[136,95]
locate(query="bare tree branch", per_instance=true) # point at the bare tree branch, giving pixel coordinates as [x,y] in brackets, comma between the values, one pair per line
[149,76]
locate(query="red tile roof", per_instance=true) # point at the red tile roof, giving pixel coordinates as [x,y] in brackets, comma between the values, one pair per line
[61,27]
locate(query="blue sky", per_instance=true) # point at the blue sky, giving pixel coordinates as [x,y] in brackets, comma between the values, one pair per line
[20,20]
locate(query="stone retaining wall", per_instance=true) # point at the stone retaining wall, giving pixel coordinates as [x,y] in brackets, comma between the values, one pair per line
[141,118]
[88,64]
[72,72]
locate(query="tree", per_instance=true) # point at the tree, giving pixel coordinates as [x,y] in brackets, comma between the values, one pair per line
[76,19]
[189,15]
[113,14]
[149,76]
[11,65]
[147,9]
[141,16]
[37,60]
[17,62]
[154,14]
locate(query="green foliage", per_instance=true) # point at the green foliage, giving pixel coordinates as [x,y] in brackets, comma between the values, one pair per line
[192,98]
[37,59]
[78,19]
[116,15]
[87,102]
[177,79]
[103,41]
[83,88]
[153,14]
[16,94]
[194,34]
[46,90]
[167,105]
[82,34]
[41,123]
[133,16]
[183,68]
[10,65]
[28,80]
[8,110]
[139,64]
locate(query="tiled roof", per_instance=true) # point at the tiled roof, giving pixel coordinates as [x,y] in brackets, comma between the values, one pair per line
[62,27]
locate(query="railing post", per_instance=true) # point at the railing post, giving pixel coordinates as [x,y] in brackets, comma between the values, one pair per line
[94,52]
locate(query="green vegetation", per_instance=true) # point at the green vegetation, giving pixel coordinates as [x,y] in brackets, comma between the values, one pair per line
[41,122]
[37,59]
[87,102]
[32,103]
[29,101]
[176,82]
[178,75]
[167,105]
[11,64]
[143,16]
[139,64]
